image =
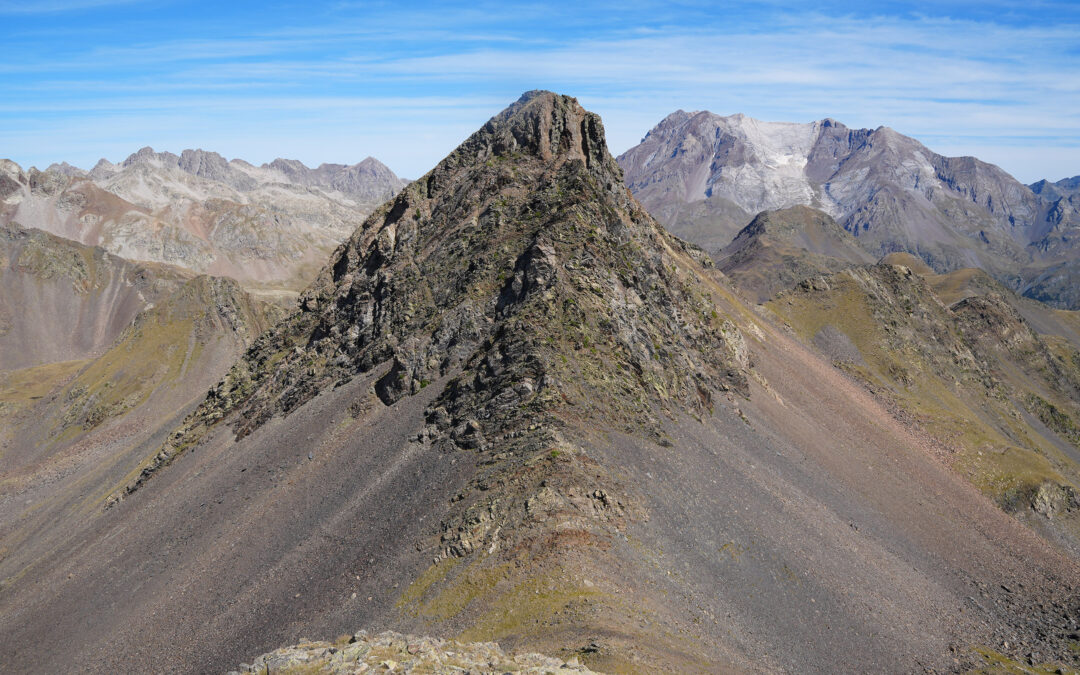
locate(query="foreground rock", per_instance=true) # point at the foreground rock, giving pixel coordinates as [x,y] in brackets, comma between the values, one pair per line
[390,652]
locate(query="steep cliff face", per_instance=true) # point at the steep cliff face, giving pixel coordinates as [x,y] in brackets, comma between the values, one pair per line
[513,408]
[704,175]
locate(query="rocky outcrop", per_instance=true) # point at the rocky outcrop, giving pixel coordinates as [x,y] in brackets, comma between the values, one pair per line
[394,652]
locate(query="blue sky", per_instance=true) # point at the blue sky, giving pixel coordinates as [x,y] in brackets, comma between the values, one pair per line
[406,82]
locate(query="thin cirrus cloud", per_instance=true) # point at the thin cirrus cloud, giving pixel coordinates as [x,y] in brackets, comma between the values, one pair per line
[56,6]
[357,81]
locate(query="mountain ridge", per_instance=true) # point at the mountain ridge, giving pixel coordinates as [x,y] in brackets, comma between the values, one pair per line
[705,175]
[513,407]
[269,228]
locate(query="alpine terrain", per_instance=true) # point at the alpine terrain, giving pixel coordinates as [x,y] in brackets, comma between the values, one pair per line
[705,176]
[271,227]
[513,408]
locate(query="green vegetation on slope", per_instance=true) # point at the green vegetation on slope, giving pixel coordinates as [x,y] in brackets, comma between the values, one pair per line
[965,373]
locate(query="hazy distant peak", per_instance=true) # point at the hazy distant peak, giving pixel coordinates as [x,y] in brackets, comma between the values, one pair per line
[1065,187]
[102,168]
[149,157]
[10,168]
[286,165]
[65,169]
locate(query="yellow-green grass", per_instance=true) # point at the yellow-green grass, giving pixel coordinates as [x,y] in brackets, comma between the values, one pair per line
[971,421]
[997,663]
[19,387]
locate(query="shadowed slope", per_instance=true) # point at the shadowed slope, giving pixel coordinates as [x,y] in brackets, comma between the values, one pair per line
[781,248]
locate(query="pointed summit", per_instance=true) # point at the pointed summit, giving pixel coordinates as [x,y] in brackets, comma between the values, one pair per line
[545,125]
[523,293]
[518,237]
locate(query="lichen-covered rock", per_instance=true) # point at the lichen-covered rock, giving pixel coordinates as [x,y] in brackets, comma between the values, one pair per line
[390,652]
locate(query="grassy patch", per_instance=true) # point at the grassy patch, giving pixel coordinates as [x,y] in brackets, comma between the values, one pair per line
[1000,664]
[423,583]
[528,604]
[28,384]
[1053,417]
[914,358]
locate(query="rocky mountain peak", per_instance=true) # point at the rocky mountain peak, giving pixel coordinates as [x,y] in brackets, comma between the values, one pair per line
[147,156]
[516,300]
[547,126]
[708,175]
[518,251]
[1053,191]
[11,177]
[65,169]
[103,169]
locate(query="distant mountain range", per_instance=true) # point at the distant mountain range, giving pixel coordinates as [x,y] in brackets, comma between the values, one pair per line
[705,176]
[269,226]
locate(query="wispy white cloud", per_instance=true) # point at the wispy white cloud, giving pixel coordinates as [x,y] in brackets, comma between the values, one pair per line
[954,83]
[56,6]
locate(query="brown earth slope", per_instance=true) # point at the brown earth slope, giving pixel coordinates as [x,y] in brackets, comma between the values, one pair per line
[513,408]
[69,429]
[60,300]
[781,248]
